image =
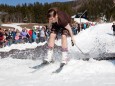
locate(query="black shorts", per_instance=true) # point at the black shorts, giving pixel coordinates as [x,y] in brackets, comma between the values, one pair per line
[61,31]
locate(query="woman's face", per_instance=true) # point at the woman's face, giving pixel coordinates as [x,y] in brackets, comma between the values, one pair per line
[53,19]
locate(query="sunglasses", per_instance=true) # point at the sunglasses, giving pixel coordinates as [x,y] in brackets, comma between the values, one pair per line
[51,14]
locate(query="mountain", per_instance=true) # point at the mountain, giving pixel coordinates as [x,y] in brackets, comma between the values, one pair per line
[96,8]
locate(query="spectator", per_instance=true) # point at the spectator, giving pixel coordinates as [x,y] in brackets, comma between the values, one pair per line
[42,34]
[30,35]
[113,27]
[24,35]
[78,28]
[1,37]
[6,37]
[84,26]
[18,37]
[10,37]
[47,32]
[13,35]
[34,36]
[74,29]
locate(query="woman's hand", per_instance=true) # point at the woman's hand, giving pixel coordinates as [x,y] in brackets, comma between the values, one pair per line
[73,41]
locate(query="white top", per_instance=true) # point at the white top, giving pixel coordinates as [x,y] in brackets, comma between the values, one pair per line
[42,34]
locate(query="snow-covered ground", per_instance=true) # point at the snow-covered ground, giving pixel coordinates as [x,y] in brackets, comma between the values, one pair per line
[15,25]
[95,40]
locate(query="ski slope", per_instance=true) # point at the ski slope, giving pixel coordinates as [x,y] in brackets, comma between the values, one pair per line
[16,72]
[95,41]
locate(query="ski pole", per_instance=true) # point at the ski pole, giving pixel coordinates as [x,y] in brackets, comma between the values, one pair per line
[77,47]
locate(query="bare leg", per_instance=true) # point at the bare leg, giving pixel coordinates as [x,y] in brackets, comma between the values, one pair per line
[65,58]
[51,42]
[64,41]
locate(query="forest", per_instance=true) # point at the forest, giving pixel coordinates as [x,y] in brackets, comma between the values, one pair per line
[36,12]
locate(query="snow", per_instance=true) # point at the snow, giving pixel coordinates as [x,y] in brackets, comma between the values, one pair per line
[81,21]
[94,40]
[14,25]
[21,46]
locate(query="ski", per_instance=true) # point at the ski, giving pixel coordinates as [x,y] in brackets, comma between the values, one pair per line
[59,69]
[38,67]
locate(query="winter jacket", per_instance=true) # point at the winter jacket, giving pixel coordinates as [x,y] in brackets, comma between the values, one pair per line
[1,36]
[34,36]
[113,26]
[30,33]
[24,34]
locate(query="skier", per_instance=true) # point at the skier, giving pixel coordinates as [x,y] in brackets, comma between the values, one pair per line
[60,23]
[113,26]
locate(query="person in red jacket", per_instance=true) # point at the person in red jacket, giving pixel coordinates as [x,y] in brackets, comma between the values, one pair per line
[1,37]
[60,23]
[30,35]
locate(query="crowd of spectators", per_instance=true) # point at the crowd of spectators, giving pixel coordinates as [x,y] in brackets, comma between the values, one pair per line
[76,27]
[14,36]
[35,34]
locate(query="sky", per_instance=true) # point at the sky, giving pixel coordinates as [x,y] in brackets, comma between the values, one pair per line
[15,2]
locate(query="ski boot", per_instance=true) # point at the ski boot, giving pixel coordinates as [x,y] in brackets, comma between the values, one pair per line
[49,58]
[65,58]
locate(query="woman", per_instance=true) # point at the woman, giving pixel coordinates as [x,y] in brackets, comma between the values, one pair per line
[60,23]
[18,37]
[42,34]
[24,35]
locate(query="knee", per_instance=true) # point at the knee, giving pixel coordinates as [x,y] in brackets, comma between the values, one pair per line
[64,36]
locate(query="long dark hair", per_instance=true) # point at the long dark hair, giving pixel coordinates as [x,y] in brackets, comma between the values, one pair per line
[52,12]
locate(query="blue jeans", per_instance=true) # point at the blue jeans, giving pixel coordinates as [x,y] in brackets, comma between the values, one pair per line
[17,41]
[42,39]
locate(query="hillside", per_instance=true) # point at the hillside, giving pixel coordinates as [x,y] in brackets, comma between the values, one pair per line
[36,13]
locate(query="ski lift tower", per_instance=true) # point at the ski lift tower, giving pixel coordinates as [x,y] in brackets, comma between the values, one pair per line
[80,18]
[25,19]
[1,14]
